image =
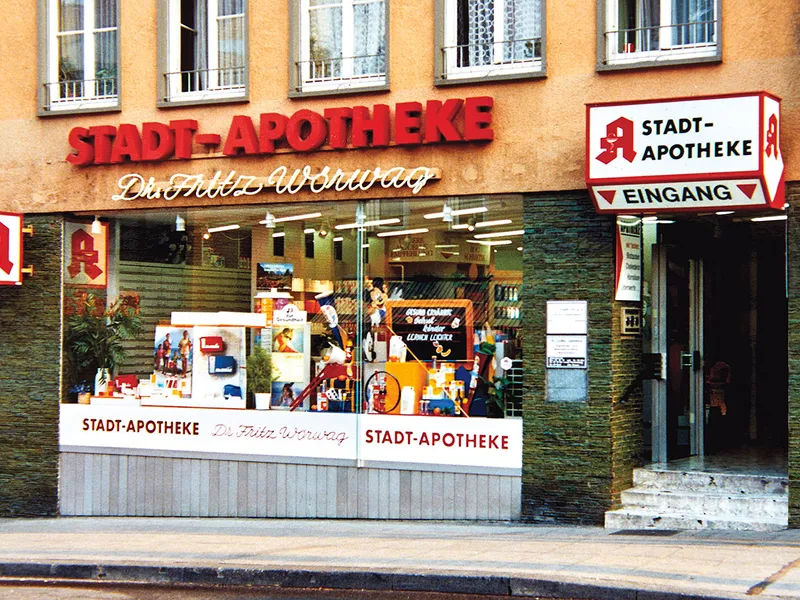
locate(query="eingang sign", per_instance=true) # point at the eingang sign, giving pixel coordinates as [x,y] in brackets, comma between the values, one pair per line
[705,153]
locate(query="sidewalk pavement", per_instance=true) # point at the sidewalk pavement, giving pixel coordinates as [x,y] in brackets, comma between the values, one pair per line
[456,557]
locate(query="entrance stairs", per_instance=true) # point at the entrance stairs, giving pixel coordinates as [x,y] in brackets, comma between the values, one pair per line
[664,498]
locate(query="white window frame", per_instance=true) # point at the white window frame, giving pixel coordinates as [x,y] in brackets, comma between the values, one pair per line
[499,66]
[89,99]
[666,50]
[347,79]
[173,77]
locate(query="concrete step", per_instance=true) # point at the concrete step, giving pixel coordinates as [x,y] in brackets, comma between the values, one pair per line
[707,503]
[641,519]
[697,481]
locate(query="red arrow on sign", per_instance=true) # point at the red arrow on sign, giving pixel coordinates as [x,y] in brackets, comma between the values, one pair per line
[608,195]
[747,189]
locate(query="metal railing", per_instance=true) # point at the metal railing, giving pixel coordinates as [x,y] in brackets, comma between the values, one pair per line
[676,38]
[348,69]
[228,79]
[73,91]
[487,55]
[514,399]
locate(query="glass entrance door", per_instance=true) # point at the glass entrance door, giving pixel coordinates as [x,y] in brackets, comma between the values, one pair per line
[678,338]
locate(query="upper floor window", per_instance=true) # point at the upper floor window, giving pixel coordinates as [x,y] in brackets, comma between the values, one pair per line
[206,50]
[484,38]
[660,30]
[82,55]
[342,45]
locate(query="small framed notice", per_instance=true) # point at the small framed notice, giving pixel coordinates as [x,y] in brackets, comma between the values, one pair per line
[567,317]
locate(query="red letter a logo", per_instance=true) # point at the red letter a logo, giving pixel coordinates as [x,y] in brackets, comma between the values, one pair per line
[619,136]
[5,239]
[84,256]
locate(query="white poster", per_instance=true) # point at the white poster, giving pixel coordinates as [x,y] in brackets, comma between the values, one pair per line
[218,373]
[629,261]
[567,316]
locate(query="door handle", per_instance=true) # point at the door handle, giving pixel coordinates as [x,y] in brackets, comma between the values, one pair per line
[687,360]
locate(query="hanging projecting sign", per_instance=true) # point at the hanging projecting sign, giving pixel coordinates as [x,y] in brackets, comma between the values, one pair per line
[85,255]
[705,153]
[10,249]
[629,261]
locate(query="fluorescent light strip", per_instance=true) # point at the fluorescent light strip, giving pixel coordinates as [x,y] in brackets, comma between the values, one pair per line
[724,212]
[222,228]
[459,212]
[515,232]
[368,224]
[463,226]
[309,230]
[365,245]
[338,239]
[493,223]
[404,232]
[491,243]
[446,246]
[772,218]
[293,218]
[279,234]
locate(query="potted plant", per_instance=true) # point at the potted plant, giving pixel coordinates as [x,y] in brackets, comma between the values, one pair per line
[95,335]
[259,377]
[497,391]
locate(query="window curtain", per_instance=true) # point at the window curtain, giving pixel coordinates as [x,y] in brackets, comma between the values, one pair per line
[647,26]
[201,44]
[480,43]
[105,47]
[369,47]
[693,22]
[522,30]
[325,39]
[230,29]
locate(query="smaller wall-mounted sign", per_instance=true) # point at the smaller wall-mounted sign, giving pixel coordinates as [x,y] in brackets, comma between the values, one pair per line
[685,154]
[10,249]
[629,261]
[85,255]
[566,352]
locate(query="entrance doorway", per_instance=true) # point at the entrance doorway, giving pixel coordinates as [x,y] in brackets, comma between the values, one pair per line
[718,318]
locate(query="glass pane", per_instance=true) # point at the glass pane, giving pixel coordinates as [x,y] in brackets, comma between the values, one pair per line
[693,22]
[324,2]
[325,43]
[231,51]
[105,14]
[105,63]
[639,22]
[521,30]
[70,60]
[475,32]
[370,38]
[231,7]
[70,15]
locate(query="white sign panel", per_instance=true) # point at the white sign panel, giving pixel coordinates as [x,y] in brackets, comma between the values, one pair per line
[566,352]
[705,153]
[10,249]
[474,442]
[567,316]
[629,262]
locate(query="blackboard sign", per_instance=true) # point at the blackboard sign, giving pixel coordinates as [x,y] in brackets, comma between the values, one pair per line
[440,328]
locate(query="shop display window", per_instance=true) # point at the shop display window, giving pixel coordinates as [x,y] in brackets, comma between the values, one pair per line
[401,307]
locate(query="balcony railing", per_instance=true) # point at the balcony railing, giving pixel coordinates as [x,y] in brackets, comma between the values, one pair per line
[349,71]
[81,91]
[487,58]
[681,39]
[227,81]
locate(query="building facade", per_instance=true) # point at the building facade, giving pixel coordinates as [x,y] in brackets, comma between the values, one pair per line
[415,179]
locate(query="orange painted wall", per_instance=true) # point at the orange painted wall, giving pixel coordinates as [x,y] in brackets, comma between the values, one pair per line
[539,124]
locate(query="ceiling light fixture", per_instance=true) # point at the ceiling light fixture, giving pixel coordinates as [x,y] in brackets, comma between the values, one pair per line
[222,228]
[457,213]
[491,243]
[515,232]
[279,234]
[269,221]
[772,218]
[323,231]
[308,230]
[404,232]
[338,239]
[447,213]
[292,218]
[180,223]
[446,246]
[724,212]
[367,224]
[493,223]
[97,226]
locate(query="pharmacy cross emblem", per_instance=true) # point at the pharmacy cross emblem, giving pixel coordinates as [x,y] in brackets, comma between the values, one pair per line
[619,136]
